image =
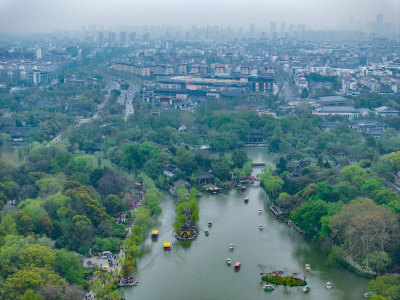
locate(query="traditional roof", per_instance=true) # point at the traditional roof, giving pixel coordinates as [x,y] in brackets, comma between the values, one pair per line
[386,110]
[180,183]
[369,123]
[203,175]
[338,109]
[330,124]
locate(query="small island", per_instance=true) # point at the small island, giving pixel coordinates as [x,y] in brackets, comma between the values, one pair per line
[285,278]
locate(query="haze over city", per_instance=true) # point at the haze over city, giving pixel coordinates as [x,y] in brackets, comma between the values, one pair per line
[44,16]
[201,149]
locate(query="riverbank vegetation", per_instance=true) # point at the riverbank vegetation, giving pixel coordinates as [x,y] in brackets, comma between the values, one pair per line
[142,224]
[386,287]
[343,200]
[352,210]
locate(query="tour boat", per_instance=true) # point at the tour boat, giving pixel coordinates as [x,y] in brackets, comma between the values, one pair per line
[209,223]
[308,267]
[228,261]
[231,247]
[154,234]
[306,289]
[243,187]
[246,200]
[237,266]
[261,227]
[259,210]
[206,232]
[167,246]
[268,287]
[328,285]
[214,189]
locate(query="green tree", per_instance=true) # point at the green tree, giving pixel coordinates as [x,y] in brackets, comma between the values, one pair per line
[185,160]
[239,157]
[24,223]
[378,260]
[362,227]
[112,204]
[38,256]
[309,215]
[60,160]
[30,295]
[83,164]
[386,286]
[82,232]
[221,168]
[273,186]
[69,266]
[7,225]
[45,225]
[353,174]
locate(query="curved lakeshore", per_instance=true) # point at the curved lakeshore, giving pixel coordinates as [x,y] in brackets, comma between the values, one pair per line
[198,268]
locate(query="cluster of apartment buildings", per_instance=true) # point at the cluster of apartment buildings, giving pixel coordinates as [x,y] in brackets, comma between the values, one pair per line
[361,67]
[208,71]
[24,66]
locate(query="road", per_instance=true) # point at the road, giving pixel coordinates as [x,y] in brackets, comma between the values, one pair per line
[288,93]
[127,97]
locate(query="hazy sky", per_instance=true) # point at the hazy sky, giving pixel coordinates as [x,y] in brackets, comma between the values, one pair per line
[36,16]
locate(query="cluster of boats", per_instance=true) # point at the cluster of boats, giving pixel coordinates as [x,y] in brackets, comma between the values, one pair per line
[209,224]
[305,289]
[246,200]
[237,265]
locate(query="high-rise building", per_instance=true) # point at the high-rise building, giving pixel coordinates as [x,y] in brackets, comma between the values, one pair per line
[240,31]
[283,28]
[379,20]
[111,37]
[252,30]
[273,27]
[39,53]
[132,36]
[39,77]
[36,78]
[146,37]
[100,38]
[122,37]
[379,23]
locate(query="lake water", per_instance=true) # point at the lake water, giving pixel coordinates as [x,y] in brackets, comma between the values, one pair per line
[197,269]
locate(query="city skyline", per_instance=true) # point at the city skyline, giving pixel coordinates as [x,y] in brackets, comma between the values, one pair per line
[44,16]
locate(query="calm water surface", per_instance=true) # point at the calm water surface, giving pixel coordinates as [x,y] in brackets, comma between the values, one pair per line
[197,270]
